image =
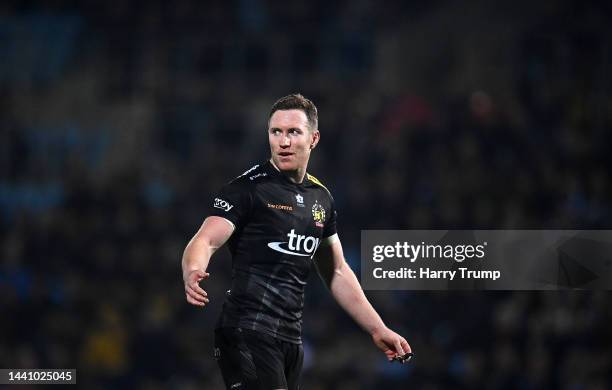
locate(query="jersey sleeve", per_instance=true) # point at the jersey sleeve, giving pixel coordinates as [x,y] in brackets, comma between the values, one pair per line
[233,203]
[330,225]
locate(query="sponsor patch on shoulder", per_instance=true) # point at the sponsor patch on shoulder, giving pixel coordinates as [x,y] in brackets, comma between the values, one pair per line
[249,170]
[258,175]
[223,204]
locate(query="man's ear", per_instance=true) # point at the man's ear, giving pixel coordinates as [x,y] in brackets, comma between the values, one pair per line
[316,136]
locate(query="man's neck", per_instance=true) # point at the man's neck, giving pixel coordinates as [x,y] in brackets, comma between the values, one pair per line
[296,176]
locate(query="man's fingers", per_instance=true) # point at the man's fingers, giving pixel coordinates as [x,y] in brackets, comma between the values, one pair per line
[394,346]
[189,288]
[194,280]
[398,347]
[406,346]
[196,287]
[195,298]
[390,354]
[202,275]
[193,301]
[195,295]
[197,275]
[404,351]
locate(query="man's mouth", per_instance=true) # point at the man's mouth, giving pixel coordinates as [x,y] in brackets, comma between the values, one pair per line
[285,154]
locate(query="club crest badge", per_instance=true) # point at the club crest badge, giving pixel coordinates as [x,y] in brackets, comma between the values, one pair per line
[318,214]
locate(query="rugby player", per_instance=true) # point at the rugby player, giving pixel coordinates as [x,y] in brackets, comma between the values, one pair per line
[277,220]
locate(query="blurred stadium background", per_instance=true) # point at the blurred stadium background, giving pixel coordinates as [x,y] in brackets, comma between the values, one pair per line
[119,120]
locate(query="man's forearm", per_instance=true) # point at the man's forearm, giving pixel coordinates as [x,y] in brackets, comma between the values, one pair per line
[196,256]
[347,291]
[211,236]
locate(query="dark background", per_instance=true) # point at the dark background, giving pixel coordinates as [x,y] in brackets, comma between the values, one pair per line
[119,120]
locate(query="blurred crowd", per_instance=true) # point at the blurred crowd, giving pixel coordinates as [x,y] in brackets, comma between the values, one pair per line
[120,120]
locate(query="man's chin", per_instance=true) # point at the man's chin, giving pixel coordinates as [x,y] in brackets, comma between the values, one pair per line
[286,166]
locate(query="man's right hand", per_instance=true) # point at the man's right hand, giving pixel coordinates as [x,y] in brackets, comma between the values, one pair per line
[391,343]
[193,292]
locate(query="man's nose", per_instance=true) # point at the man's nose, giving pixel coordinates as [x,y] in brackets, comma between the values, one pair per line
[285,140]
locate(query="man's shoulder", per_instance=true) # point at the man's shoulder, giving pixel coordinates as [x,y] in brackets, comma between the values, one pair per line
[317,183]
[251,176]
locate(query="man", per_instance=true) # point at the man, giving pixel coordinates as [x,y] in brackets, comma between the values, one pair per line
[277,220]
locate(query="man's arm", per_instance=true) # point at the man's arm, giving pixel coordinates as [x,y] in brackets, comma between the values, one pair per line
[213,233]
[345,288]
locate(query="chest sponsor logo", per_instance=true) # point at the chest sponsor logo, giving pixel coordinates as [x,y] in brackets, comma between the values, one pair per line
[223,204]
[300,200]
[318,214]
[298,245]
[280,207]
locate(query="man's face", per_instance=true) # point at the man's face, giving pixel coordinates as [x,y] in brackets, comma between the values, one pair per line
[291,140]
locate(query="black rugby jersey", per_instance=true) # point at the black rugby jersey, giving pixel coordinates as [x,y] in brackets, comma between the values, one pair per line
[278,227]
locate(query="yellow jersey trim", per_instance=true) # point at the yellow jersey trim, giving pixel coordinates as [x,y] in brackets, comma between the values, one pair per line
[315,180]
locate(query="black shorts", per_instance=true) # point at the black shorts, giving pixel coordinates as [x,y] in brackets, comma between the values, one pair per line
[251,360]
